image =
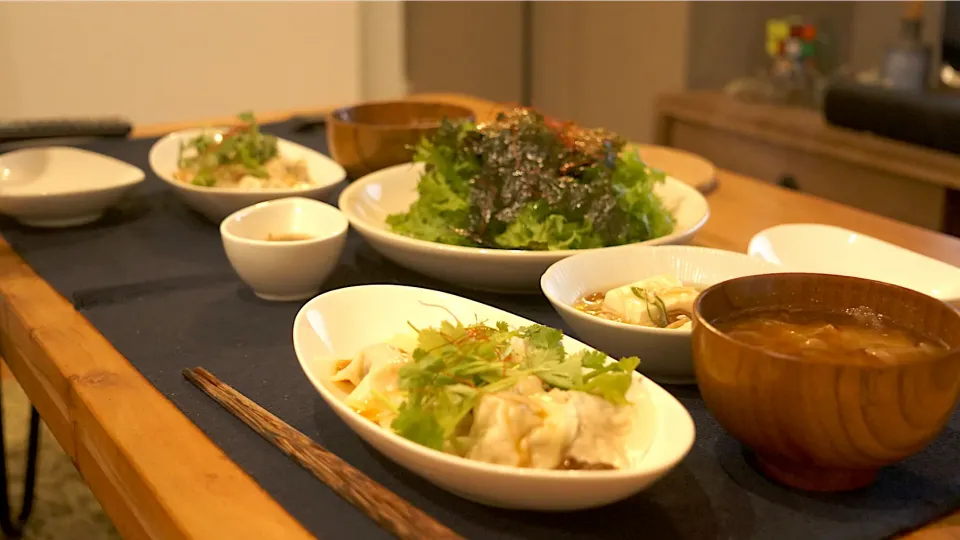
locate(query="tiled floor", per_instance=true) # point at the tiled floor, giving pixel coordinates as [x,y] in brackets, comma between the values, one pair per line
[64,508]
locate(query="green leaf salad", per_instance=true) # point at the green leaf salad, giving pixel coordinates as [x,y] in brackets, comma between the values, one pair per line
[499,394]
[525,182]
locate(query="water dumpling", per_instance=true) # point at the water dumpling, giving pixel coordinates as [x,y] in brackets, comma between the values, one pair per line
[394,351]
[374,373]
[522,427]
[609,434]
[378,396]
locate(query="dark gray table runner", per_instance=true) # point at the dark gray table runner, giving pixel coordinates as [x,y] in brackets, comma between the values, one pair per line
[153,278]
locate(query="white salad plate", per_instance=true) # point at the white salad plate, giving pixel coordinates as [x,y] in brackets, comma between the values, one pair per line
[368,201]
[290,269]
[60,186]
[666,355]
[217,203]
[340,323]
[825,249]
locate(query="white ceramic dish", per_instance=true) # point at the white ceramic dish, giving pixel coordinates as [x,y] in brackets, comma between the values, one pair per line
[368,201]
[284,270]
[665,354]
[832,250]
[217,203]
[339,323]
[60,186]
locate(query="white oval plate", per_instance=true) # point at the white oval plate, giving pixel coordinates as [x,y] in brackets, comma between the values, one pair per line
[338,324]
[667,355]
[368,201]
[61,186]
[218,203]
[825,249]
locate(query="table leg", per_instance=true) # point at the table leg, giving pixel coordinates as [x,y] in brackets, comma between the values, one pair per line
[14,528]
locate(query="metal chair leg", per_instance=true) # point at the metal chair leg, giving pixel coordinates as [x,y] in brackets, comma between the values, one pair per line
[14,528]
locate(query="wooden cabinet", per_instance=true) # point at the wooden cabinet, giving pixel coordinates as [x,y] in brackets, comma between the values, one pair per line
[795,148]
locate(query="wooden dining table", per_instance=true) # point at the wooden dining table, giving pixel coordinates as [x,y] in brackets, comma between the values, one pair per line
[158,476]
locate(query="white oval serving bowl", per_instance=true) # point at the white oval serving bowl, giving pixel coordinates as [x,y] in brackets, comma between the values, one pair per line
[368,201]
[216,203]
[666,355]
[339,323]
[825,249]
[61,186]
[284,270]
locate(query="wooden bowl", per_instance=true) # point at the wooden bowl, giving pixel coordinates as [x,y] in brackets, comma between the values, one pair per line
[825,426]
[371,136]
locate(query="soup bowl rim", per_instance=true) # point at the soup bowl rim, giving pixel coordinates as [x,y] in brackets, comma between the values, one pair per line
[336,116]
[698,320]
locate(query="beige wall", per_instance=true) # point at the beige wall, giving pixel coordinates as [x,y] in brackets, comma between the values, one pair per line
[166,61]
[383,61]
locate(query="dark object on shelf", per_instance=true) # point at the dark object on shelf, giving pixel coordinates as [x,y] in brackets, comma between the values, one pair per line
[951,214]
[11,524]
[789,182]
[925,119]
[305,123]
[12,131]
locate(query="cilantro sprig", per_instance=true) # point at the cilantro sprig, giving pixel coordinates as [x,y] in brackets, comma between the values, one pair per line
[244,146]
[454,365]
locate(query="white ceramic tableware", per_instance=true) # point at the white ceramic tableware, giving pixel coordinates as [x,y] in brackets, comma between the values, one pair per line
[665,354]
[340,323]
[284,270]
[60,186]
[216,203]
[825,249]
[368,201]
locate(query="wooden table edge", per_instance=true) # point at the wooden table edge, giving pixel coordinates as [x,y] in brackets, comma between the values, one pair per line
[116,425]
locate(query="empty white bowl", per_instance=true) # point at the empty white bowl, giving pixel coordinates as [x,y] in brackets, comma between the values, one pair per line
[216,203]
[368,201]
[825,249]
[665,354]
[284,270]
[60,186]
[340,323]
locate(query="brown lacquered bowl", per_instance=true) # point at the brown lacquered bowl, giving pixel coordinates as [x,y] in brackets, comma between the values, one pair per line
[825,426]
[371,136]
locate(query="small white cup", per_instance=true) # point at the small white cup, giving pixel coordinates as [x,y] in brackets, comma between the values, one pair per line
[284,270]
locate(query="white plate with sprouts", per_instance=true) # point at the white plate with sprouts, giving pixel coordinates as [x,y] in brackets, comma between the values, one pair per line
[333,335]
[216,203]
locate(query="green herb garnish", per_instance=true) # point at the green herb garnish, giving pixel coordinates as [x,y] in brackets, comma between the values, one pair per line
[454,365]
[660,317]
[242,147]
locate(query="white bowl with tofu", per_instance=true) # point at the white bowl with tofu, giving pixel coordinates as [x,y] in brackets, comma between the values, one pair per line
[637,300]
[355,353]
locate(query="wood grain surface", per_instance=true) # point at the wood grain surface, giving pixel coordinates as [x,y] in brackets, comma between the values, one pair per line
[397,515]
[813,424]
[158,476]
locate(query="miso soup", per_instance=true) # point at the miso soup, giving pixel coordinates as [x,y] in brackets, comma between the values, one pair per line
[856,336]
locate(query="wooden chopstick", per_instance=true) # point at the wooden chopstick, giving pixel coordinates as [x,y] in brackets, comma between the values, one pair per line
[390,511]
